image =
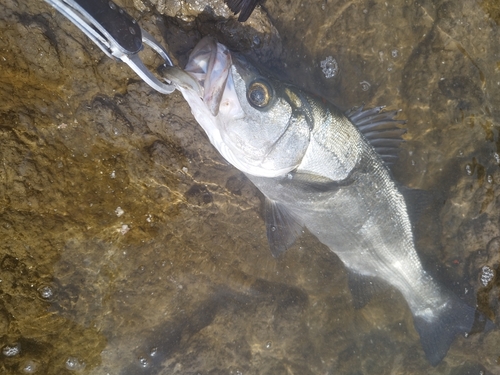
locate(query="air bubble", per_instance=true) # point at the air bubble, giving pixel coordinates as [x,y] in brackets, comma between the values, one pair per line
[30,367]
[329,67]
[153,351]
[124,229]
[46,292]
[74,364]
[269,344]
[394,53]
[365,86]
[497,157]
[273,228]
[489,179]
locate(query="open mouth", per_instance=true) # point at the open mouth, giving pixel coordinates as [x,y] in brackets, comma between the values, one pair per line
[209,64]
[206,73]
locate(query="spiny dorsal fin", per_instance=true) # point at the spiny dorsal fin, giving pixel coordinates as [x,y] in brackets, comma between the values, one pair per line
[282,227]
[246,8]
[380,129]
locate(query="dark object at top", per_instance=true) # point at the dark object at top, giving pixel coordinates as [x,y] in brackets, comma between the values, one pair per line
[244,7]
[119,24]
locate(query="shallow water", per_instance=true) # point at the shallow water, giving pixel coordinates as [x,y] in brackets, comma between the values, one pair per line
[129,246]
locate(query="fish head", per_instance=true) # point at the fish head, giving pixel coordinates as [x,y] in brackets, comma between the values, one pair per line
[245,114]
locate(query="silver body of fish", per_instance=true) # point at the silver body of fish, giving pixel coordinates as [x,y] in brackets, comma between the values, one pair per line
[325,171]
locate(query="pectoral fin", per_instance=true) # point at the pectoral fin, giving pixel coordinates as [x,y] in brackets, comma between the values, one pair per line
[309,181]
[282,227]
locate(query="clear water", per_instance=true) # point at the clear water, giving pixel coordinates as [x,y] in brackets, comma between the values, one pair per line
[128,246]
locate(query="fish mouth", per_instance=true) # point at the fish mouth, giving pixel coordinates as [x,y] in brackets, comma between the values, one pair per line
[205,75]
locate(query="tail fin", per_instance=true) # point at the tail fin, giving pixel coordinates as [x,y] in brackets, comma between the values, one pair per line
[437,335]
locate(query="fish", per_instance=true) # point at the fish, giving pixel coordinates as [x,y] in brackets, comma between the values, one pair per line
[323,170]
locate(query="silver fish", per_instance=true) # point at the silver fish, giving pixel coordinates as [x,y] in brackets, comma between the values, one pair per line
[323,170]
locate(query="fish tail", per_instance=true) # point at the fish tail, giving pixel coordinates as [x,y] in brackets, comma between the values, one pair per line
[437,334]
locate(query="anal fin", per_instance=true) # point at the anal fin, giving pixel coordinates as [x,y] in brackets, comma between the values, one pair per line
[362,288]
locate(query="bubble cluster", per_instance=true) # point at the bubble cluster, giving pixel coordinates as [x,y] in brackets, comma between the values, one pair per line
[487,275]
[143,362]
[329,67]
[468,170]
[11,350]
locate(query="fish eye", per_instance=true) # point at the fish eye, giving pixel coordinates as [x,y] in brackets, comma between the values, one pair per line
[259,94]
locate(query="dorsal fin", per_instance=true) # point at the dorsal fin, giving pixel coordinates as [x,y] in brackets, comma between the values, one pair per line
[282,227]
[246,8]
[380,129]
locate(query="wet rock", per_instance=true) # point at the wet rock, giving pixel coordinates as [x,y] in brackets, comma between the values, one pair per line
[81,135]
[198,195]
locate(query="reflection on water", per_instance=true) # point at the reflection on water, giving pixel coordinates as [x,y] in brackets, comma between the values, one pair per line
[130,247]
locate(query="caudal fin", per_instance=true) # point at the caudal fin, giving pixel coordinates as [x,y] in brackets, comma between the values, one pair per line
[437,335]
